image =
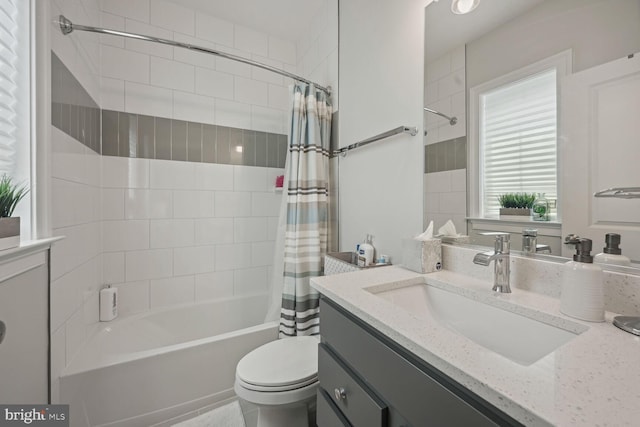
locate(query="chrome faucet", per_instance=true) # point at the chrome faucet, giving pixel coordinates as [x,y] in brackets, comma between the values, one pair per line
[530,242]
[501,259]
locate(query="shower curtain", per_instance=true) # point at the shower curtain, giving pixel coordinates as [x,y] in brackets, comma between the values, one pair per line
[306,230]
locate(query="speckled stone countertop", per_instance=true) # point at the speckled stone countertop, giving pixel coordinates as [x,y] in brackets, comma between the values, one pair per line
[593,380]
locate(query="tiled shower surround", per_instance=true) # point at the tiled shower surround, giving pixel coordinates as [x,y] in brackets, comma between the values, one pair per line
[171,197]
[189,210]
[177,232]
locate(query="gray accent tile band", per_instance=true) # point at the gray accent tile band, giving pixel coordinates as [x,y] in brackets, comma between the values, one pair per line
[73,111]
[149,137]
[446,155]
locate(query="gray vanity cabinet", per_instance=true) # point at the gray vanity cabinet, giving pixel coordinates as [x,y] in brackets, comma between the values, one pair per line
[368,380]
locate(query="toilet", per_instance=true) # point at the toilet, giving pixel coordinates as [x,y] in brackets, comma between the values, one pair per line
[281,378]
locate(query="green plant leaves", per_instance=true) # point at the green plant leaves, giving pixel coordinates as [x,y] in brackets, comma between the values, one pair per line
[10,195]
[517,200]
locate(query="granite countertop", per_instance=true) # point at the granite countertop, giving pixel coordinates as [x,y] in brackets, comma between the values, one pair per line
[593,380]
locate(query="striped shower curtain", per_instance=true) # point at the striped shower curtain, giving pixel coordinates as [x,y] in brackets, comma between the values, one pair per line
[307,210]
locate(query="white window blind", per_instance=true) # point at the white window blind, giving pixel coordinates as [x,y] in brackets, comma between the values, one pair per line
[8,86]
[518,139]
[15,90]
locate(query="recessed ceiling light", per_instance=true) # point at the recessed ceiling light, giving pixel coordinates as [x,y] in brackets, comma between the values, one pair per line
[460,7]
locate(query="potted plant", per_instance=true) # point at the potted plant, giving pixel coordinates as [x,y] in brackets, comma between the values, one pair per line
[516,206]
[10,195]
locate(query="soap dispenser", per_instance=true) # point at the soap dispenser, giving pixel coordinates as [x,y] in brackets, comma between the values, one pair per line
[582,294]
[611,253]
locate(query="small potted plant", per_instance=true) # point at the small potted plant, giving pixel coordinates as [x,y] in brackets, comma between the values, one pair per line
[516,206]
[10,195]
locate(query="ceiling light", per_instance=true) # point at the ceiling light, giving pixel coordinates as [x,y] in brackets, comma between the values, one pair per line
[460,7]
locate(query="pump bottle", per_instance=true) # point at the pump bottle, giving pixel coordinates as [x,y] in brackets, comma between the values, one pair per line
[611,253]
[366,252]
[582,294]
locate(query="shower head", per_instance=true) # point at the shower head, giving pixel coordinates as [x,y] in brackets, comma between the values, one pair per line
[452,120]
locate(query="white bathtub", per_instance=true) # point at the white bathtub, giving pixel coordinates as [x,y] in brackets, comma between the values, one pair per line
[151,367]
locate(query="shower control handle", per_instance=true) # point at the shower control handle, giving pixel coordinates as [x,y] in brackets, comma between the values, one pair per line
[340,393]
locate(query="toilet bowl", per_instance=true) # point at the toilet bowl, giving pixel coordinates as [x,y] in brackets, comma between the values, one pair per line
[281,379]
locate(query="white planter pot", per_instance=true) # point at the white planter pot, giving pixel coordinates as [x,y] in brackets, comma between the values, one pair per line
[9,232]
[515,214]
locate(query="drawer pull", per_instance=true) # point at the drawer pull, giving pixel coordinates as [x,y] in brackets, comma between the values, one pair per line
[3,330]
[340,393]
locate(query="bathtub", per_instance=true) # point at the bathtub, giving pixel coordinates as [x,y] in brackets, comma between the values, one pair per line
[151,367]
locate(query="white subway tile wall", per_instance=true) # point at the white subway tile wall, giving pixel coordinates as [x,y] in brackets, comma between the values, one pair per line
[76,261]
[176,83]
[445,197]
[445,183]
[171,231]
[444,92]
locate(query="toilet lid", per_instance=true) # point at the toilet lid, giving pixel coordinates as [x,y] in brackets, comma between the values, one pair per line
[287,361]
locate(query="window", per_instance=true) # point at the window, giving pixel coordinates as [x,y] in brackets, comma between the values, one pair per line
[515,137]
[15,140]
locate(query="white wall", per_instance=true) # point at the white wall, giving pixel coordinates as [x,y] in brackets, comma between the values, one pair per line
[76,262]
[381,87]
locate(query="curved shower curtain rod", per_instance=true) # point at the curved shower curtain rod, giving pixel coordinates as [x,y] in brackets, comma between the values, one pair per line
[452,120]
[67,27]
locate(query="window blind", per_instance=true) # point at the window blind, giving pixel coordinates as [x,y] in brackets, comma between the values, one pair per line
[15,101]
[518,139]
[9,89]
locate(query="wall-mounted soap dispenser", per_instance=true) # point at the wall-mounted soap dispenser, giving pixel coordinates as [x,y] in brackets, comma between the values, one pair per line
[582,294]
[611,253]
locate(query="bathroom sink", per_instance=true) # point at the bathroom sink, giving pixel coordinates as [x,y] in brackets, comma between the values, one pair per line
[515,336]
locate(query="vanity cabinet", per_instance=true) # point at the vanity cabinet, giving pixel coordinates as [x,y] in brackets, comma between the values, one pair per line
[368,380]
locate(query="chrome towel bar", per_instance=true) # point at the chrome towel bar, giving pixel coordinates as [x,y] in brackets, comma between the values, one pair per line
[400,129]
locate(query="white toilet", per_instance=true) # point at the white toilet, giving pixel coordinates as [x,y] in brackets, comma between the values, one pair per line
[281,378]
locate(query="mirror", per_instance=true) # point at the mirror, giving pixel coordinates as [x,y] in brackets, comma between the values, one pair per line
[495,39]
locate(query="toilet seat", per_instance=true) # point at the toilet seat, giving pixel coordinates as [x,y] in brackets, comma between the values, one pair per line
[281,365]
[254,387]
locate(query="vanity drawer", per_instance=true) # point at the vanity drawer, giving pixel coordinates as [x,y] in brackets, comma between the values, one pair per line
[422,394]
[327,413]
[348,393]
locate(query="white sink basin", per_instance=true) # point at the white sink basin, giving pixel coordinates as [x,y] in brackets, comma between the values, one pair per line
[514,336]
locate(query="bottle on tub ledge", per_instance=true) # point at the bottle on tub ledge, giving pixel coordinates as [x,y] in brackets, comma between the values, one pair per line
[108,303]
[366,252]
